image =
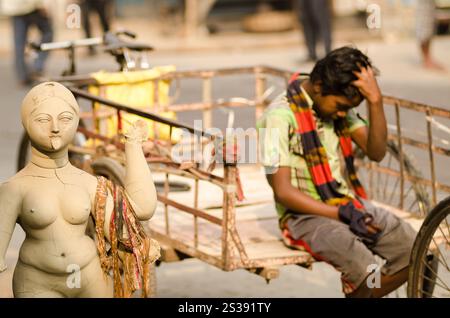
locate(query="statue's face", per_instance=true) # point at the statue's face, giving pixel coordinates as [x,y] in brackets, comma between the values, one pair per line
[52,125]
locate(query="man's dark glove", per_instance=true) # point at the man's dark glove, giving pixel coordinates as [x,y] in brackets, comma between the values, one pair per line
[358,222]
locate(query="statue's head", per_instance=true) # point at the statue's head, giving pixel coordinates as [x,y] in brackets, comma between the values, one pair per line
[50,116]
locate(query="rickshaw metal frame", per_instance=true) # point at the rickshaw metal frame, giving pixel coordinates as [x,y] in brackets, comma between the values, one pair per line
[231,243]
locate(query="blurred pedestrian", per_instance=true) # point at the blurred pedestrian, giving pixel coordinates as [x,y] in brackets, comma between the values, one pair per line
[196,14]
[104,10]
[425,29]
[315,17]
[204,8]
[25,14]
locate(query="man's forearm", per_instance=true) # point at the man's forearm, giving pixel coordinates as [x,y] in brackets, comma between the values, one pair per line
[377,140]
[299,202]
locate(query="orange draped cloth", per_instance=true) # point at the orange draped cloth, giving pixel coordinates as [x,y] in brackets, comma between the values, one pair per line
[129,244]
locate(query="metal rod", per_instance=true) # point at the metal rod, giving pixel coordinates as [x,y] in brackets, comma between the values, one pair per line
[155,108]
[188,209]
[131,110]
[435,111]
[207,98]
[439,186]
[166,207]
[94,122]
[400,147]
[422,145]
[195,216]
[229,196]
[214,104]
[188,174]
[431,155]
[228,71]
[260,87]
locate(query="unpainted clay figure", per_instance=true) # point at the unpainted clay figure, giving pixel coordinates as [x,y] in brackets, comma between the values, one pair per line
[52,201]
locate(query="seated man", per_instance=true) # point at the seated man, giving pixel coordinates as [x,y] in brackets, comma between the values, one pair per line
[308,134]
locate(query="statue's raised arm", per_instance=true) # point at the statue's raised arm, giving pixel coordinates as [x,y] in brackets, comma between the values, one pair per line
[139,185]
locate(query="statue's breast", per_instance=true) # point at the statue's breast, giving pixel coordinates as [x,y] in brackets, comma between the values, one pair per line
[75,205]
[40,207]
[44,203]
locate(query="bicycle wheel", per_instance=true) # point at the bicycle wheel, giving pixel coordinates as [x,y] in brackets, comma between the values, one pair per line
[385,187]
[429,274]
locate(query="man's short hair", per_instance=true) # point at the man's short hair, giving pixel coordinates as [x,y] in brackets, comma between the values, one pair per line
[335,71]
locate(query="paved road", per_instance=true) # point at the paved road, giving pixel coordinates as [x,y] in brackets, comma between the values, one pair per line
[400,76]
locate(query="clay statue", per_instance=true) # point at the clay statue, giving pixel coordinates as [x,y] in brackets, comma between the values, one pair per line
[52,201]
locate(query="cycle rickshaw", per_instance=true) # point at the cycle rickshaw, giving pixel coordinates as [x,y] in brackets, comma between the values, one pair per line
[206,221]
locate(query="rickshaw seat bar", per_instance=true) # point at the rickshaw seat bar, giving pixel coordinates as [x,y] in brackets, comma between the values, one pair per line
[188,174]
[202,106]
[228,71]
[190,210]
[433,110]
[421,145]
[400,145]
[145,114]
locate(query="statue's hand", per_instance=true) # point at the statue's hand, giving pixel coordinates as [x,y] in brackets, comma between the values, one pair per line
[3,266]
[138,132]
[154,251]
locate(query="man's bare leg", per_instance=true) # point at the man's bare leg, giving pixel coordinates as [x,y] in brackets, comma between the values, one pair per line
[428,61]
[388,284]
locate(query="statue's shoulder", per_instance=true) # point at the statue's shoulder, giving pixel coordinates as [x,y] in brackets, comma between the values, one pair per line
[85,177]
[11,187]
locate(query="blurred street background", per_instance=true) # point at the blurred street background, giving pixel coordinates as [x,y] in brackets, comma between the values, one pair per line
[202,34]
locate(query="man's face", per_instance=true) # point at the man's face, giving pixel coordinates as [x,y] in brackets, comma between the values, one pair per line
[332,107]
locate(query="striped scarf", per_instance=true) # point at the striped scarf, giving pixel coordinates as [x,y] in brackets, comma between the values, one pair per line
[315,154]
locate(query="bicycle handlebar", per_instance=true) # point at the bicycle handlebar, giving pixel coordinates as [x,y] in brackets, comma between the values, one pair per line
[108,38]
[112,44]
[67,44]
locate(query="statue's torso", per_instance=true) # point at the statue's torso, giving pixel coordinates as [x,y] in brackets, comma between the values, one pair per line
[54,214]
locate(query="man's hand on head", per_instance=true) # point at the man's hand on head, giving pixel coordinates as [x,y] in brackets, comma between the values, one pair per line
[367,85]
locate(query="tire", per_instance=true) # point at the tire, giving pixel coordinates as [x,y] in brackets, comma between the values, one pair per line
[421,248]
[110,169]
[23,155]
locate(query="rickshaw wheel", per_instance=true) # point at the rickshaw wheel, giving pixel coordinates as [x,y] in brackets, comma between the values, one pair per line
[110,169]
[416,199]
[23,155]
[429,273]
[115,172]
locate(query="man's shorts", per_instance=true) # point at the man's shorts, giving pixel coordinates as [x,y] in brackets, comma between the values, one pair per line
[332,241]
[425,20]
